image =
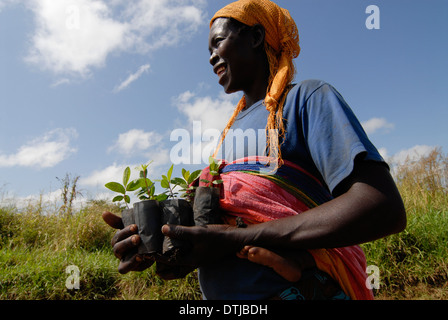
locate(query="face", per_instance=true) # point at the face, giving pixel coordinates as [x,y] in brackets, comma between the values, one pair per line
[231,55]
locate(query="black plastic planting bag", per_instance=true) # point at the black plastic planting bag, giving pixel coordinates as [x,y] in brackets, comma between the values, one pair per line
[147,217]
[127,215]
[178,212]
[206,206]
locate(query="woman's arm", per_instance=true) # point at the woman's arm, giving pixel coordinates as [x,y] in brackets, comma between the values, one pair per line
[367,206]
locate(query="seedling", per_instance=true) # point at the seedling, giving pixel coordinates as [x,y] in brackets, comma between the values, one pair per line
[214,172]
[147,187]
[122,189]
[185,183]
[182,183]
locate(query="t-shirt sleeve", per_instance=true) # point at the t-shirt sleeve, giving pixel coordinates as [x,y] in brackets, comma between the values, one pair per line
[334,135]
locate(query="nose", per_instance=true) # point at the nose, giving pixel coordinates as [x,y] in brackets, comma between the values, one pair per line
[213,57]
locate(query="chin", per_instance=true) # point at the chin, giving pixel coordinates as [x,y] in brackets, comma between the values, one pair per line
[228,89]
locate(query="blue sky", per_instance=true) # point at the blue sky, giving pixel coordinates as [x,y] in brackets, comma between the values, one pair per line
[88,87]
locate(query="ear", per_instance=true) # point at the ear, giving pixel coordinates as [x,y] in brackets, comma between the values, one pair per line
[258,35]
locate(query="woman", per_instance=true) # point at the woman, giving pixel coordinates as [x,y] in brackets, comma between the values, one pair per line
[310,129]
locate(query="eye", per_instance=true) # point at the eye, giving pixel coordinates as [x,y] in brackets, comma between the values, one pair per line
[218,41]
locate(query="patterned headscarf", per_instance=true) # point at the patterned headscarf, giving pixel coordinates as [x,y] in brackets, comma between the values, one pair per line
[281,46]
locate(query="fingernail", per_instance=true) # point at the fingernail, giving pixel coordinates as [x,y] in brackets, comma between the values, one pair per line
[135,239]
[165,229]
[133,227]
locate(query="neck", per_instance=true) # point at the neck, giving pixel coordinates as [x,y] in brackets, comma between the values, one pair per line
[257,92]
[258,89]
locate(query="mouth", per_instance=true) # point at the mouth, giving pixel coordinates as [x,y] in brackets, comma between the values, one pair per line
[220,70]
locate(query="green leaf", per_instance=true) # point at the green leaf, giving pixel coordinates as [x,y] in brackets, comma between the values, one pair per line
[161,197]
[185,174]
[127,199]
[205,181]
[135,184]
[117,198]
[152,190]
[170,172]
[193,176]
[126,175]
[214,165]
[178,181]
[143,173]
[116,187]
[165,183]
[217,181]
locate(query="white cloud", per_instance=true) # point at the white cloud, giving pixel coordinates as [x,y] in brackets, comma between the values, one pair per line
[4,3]
[135,141]
[375,124]
[133,77]
[60,82]
[384,153]
[159,23]
[212,113]
[411,154]
[42,152]
[206,118]
[101,177]
[114,172]
[72,36]
[75,36]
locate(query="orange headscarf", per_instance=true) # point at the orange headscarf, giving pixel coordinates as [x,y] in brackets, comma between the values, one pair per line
[282,46]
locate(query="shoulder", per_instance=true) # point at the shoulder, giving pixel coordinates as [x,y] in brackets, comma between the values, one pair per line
[301,92]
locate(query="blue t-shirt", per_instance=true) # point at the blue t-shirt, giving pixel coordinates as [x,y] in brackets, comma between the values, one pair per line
[323,136]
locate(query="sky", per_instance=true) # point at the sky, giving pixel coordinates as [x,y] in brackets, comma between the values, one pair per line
[88,87]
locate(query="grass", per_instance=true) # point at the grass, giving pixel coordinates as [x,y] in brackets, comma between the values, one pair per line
[37,248]
[414,263]
[38,243]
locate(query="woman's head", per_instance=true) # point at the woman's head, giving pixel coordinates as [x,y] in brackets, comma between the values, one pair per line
[281,46]
[237,55]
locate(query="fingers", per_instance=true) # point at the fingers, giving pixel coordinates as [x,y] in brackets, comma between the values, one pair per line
[134,263]
[124,233]
[113,220]
[123,247]
[125,240]
[125,243]
[176,231]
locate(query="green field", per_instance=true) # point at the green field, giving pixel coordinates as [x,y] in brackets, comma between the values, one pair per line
[38,243]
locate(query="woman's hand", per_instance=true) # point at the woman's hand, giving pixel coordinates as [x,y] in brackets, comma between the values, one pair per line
[125,243]
[208,243]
